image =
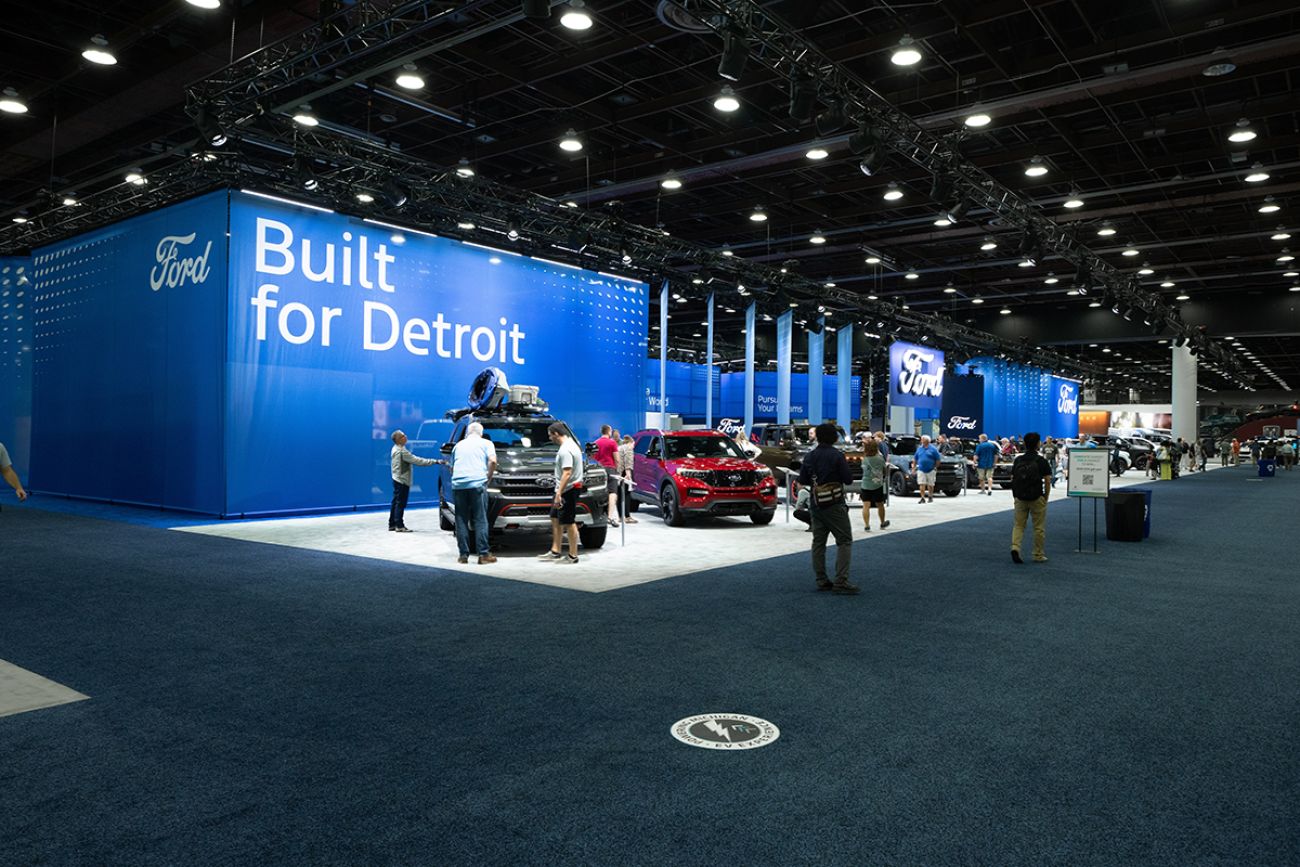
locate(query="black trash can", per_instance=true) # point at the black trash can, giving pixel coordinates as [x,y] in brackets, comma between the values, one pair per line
[1125,516]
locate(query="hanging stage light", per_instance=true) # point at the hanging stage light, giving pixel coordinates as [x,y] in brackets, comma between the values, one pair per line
[734,55]
[306,177]
[209,129]
[832,119]
[394,195]
[957,210]
[803,98]
[1083,278]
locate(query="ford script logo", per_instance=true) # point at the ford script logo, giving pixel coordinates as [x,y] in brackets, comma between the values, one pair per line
[735,478]
[175,270]
[1068,401]
[730,426]
[547,482]
[911,379]
[962,422]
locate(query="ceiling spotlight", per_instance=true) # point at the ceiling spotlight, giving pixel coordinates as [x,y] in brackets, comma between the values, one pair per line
[906,54]
[1094,304]
[1257,174]
[892,192]
[512,232]
[98,51]
[464,169]
[1027,262]
[365,198]
[208,127]
[1036,168]
[726,250]
[911,275]
[571,142]
[989,244]
[576,17]
[872,260]
[1269,206]
[135,176]
[957,210]
[1292,274]
[1242,133]
[304,117]
[672,182]
[803,98]
[943,222]
[726,100]
[409,78]
[950,290]
[1052,279]
[1286,256]
[11,102]
[817,238]
[70,201]
[758,216]
[1005,311]
[1215,70]
[1146,270]
[19,219]
[1182,297]
[833,118]
[1280,235]
[1130,251]
[1106,230]
[465,225]
[734,55]
[817,153]
[1073,201]
[205,4]
[1167,284]
[977,300]
[626,258]
[306,177]
[978,119]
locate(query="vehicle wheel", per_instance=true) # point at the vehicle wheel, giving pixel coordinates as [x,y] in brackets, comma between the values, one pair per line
[951,492]
[592,537]
[897,484]
[443,521]
[761,518]
[669,508]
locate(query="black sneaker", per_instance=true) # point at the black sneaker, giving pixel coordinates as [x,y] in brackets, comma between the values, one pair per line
[844,588]
[462,559]
[884,524]
[1015,556]
[823,584]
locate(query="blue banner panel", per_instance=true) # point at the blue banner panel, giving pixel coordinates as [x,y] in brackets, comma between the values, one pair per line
[765,396]
[1017,399]
[915,376]
[16,295]
[128,334]
[1063,396]
[343,330]
[688,386]
[963,406]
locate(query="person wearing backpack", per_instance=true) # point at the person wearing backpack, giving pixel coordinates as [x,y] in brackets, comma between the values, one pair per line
[873,484]
[824,473]
[1031,481]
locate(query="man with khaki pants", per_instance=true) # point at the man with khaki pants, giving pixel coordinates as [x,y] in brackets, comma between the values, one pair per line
[1031,482]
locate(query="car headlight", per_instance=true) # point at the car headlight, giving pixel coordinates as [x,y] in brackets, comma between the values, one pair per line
[763,473]
[595,480]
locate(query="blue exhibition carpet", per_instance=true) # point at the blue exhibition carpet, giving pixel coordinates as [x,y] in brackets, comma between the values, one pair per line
[253,704]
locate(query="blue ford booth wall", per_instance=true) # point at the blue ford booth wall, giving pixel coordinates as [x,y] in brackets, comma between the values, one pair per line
[128,337]
[342,331]
[915,376]
[733,396]
[687,390]
[963,406]
[1019,399]
[16,297]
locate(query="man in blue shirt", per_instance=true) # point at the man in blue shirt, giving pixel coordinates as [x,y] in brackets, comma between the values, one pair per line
[925,463]
[473,461]
[986,456]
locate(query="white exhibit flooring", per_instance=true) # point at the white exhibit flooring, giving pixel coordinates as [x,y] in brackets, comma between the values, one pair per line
[648,550]
[22,690]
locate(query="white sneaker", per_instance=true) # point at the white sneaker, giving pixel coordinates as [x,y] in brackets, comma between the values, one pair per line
[568,560]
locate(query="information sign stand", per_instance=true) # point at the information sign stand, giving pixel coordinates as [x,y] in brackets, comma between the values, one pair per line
[1088,477]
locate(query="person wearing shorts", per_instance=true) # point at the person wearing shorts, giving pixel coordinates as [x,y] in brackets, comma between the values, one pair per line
[926,464]
[873,483]
[986,457]
[564,508]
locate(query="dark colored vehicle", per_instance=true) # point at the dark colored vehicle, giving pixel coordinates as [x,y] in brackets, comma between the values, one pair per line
[950,471]
[523,487]
[784,445]
[687,473]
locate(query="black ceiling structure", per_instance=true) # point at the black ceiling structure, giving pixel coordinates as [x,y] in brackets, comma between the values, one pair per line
[1129,107]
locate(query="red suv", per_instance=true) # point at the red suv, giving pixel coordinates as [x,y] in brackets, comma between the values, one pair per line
[699,472]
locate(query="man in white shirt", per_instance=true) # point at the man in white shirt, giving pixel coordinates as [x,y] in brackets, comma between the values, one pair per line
[401,460]
[8,474]
[473,462]
[564,509]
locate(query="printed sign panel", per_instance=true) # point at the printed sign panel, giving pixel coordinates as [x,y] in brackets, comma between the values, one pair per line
[963,406]
[16,296]
[915,376]
[342,331]
[1063,413]
[1089,474]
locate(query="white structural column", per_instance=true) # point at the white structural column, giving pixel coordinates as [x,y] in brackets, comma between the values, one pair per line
[663,356]
[751,319]
[816,368]
[708,371]
[1184,394]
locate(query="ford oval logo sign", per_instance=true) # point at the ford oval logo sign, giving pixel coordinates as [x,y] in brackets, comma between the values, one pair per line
[915,375]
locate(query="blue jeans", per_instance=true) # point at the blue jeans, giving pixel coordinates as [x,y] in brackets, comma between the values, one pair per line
[471,508]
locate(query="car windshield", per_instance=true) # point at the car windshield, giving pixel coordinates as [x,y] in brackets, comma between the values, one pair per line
[903,447]
[517,434]
[701,447]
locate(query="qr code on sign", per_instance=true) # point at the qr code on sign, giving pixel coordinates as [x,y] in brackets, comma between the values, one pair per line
[1087,479]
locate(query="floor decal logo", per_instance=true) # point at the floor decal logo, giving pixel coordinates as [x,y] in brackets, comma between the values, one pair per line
[725,731]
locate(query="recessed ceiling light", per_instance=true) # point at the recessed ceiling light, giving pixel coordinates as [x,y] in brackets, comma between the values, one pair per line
[978,119]
[98,51]
[1242,133]
[726,100]
[571,142]
[576,16]
[1257,174]
[906,54]
[817,153]
[11,103]
[758,216]
[1036,168]
[893,193]
[409,78]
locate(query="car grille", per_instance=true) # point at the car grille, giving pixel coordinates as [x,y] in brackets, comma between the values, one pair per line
[525,485]
[732,478]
